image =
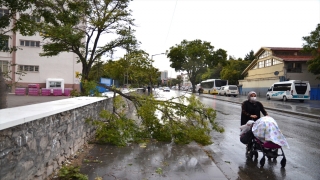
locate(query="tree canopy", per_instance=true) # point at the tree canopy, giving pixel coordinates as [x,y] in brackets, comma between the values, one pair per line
[312,45]
[194,57]
[232,71]
[79,27]
[90,29]
[250,56]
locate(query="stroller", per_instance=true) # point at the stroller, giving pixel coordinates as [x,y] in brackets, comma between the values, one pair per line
[264,136]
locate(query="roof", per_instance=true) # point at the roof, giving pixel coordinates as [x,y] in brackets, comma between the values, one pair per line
[285,48]
[290,58]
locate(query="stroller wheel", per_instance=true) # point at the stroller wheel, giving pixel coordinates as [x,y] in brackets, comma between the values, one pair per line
[255,153]
[283,162]
[262,161]
[249,154]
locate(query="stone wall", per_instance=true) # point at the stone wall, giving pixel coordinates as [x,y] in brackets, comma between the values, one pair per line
[33,150]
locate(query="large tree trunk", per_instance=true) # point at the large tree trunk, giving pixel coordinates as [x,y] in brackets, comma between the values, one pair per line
[84,77]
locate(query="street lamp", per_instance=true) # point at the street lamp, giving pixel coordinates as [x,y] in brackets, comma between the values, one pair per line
[156,55]
[152,65]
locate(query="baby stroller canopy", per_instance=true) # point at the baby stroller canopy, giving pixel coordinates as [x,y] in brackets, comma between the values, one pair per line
[266,129]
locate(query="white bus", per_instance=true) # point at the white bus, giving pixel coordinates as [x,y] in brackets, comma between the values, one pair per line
[212,86]
[293,89]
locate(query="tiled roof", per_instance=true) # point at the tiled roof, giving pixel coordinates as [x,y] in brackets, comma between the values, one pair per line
[295,58]
[285,48]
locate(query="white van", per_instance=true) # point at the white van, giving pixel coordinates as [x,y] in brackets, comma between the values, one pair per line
[229,90]
[293,89]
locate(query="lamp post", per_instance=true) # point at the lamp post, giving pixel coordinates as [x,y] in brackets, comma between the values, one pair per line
[127,59]
[152,59]
[156,55]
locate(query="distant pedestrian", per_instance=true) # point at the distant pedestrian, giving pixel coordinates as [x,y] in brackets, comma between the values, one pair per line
[149,90]
[200,90]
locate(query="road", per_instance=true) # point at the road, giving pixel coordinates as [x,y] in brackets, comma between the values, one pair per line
[303,157]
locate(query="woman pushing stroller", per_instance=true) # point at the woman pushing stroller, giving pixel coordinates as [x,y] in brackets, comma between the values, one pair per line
[260,133]
[251,109]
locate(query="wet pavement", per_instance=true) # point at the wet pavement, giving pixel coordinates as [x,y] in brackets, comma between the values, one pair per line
[152,160]
[309,108]
[157,160]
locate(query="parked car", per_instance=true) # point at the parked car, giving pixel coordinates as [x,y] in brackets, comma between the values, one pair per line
[166,89]
[229,90]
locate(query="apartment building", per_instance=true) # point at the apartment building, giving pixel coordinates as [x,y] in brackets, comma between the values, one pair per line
[36,69]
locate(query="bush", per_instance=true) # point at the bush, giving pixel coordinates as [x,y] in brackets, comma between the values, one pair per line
[71,173]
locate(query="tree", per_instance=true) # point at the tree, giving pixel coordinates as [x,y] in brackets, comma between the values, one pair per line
[232,71]
[177,81]
[78,27]
[249,57]
[137,65]
[9,17]
[312,45]
[194,57]
[81,26]
[181,119]
[212,73]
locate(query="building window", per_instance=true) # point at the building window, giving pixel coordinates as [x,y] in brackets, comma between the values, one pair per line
[267,62]
[294,67]
[4,66]
[30,43]
[261,64]
[55,84]
[29,68]
[265,54]
[3,12]
[274,62]
[4,43]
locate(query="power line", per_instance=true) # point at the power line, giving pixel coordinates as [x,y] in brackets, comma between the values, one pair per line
[171,21]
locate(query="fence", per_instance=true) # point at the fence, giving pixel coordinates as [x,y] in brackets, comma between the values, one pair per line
[315,93]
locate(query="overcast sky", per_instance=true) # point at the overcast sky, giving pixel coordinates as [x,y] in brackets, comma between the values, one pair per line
[237,26]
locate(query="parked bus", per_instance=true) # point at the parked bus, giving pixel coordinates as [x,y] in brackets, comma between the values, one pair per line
[212,86]
[293,89]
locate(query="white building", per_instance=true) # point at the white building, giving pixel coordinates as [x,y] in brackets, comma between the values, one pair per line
[38,69]
[164,76]
[185,80]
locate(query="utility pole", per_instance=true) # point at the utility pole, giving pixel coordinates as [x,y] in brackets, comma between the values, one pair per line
[152,65]
[127,59]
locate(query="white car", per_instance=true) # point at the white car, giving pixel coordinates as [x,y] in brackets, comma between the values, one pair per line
[229,90]
[166,89]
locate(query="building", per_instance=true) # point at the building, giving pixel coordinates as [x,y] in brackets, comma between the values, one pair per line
[164,76]
[37,69]
[274,64]
[185,80]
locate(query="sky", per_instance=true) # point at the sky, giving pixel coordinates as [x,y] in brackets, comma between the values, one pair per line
[237,26]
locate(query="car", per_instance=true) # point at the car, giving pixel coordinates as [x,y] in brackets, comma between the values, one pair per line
[166,89]
[229,90]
